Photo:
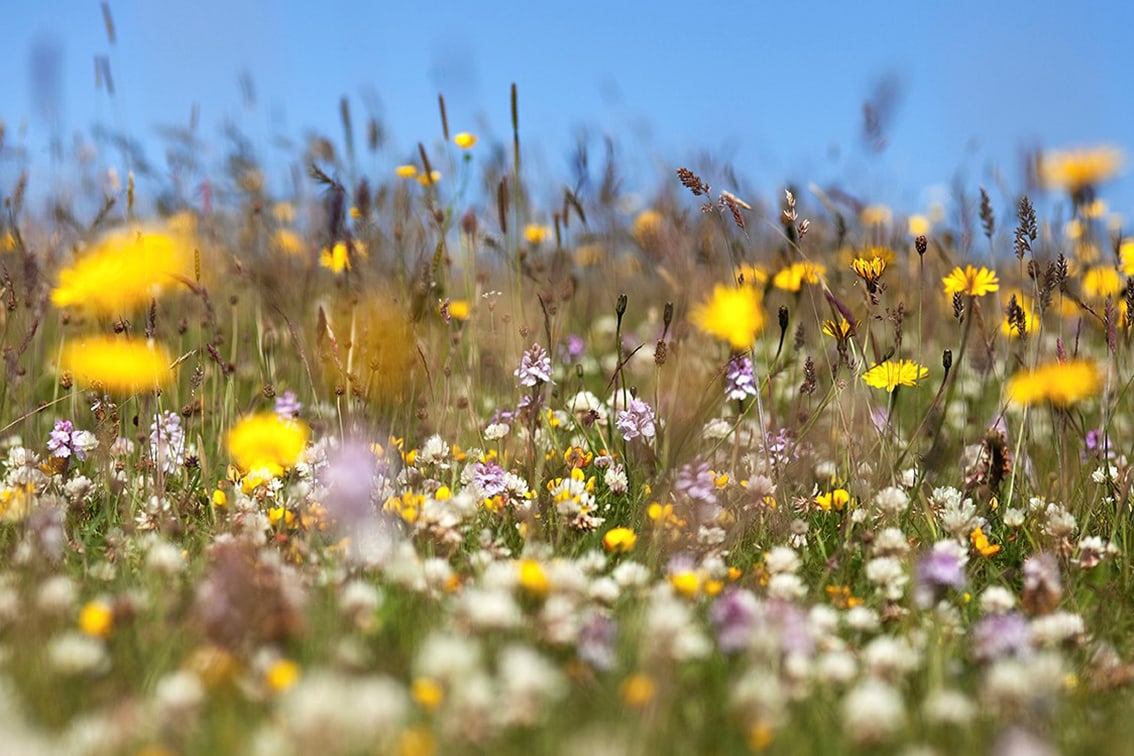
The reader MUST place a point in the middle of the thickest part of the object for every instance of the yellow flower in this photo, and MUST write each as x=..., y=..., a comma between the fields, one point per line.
x=637, y=690
x=795, y=275
x=7, y=241
x=533, y=578
x=464, y=140
x=687, y=583
x=117, y=366
x=732, y=314
x=406, y=171
x=459, y=309
x=427, y=693
x=981, y=543
x=287, y=241
x=621, y=540
x=96, y=618
x=918, y=225
x=750, y=275
x=889, y=374
x=1072, y=170
x=869, y=270
x=876, y=215
x=646, y=227
x=283, y=674
x=972, y=281
x=1126, y=256
x=124, y=271
x=836, y=500
x=337, y=258
x=266, y=442
x=433, y=177
x=536, y=234
x=1061, y=383
x=840, y=331
x=1101, y=281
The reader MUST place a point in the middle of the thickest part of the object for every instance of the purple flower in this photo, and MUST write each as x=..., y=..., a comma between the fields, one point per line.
x=740, y=382
x=573, y=349
x=65, y=441
x=489, y=478
x=535, y=367
x=596, y=642
x=167, y=441
x=695, y=481
x=288, y=406
x=636, y=420
x=350, y=478
x=999, y=635
x=939, y=570
x=735, y=614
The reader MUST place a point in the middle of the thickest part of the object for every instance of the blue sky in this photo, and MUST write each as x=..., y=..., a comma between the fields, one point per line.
x=775, y=89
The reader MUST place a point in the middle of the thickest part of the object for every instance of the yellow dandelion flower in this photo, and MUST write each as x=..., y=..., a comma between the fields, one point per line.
x=336, y=258
x=124, y=271
x=283, y=674
x=795, y=275
x=433, y=177
x=972, y=281
x=117, y=366
x=406, y=171
x=687, y=583
x=840, y=331
x=918, y=225
x=619, y=540
x=637, y=690
x=464, y=140
x=876, y=215
x=459, y=309
x=731, y=314
x=889, y=374
x=96, y=618
x=1074, y=169
x=287, y=241
x=1126, y=257
x=1101, y=281
x=266, y=441
x=1061, y=383
x=646, y=227
x=427, y=693
x=533, y=578
x=536, y=234
x=869, y=270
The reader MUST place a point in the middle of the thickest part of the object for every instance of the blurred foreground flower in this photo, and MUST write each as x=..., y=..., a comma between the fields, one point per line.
x=732, y=314
x=972, y=281
x=464, y=140
x=125, y=270
x=889, y=374
x=1061, y=383
x=266, y=442
x=117, y=366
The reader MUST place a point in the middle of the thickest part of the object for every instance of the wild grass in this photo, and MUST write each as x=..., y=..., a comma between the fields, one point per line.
x=709, y=474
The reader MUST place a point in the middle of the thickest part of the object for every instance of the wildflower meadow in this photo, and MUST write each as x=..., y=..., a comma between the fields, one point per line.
x=447, y=461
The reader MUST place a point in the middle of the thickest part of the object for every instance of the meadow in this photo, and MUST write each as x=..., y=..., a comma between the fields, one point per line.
x=442, y=462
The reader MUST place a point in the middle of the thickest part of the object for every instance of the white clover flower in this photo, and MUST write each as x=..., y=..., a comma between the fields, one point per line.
x=889, y=658
x=1013, y=518
x=872, y=712
x=889, y=575
x=996, y=599
x=891, y=501
x=949, y=707
x=786, y=586
x=73, y=653
x=1057, y=628
x=891, y=542
x=781, y=559
x=433, y=451
x=836, y=667
x=862, y=619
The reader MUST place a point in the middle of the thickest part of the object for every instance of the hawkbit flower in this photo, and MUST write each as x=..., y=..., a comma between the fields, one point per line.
x=535, y=367
x=636, y=420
